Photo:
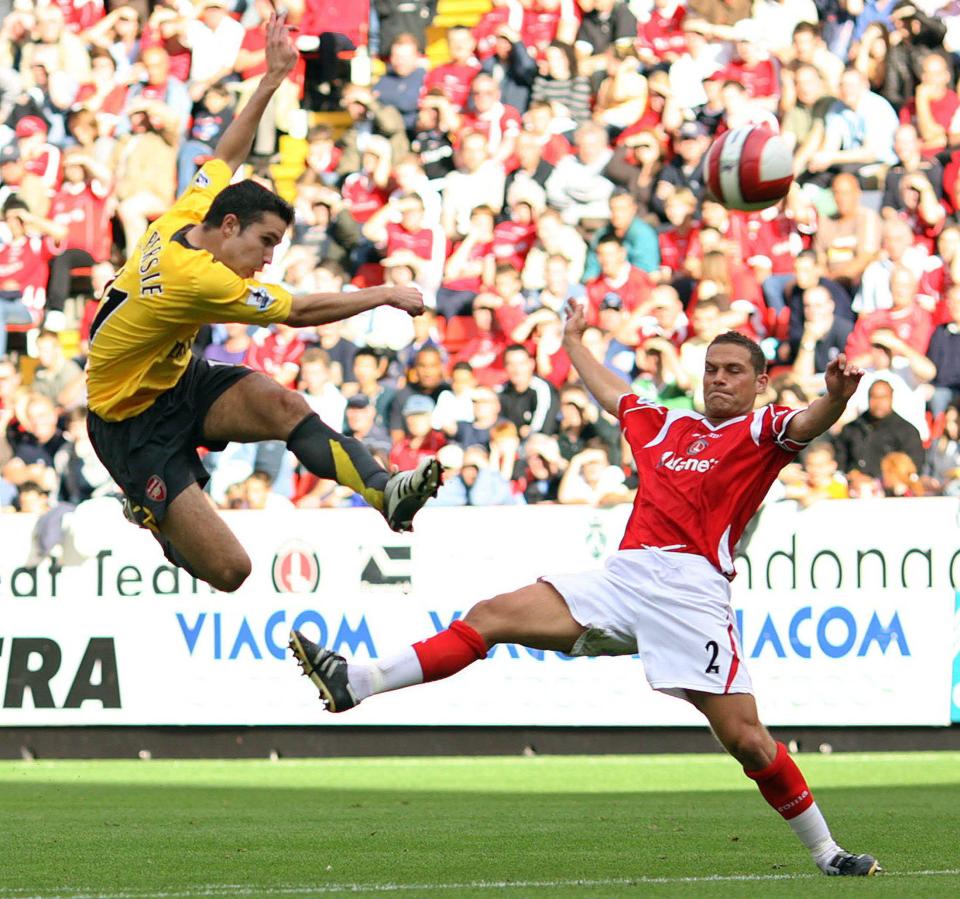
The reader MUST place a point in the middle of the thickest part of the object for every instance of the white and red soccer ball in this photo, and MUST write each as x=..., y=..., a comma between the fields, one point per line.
x=748, y=168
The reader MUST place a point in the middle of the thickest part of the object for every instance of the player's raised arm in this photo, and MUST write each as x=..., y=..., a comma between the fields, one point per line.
x=842, y=378
x=605, y=386
x=234, y=146
x=320, y=308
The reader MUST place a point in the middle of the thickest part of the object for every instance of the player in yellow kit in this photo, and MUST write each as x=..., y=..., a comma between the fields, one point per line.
x=152, y=403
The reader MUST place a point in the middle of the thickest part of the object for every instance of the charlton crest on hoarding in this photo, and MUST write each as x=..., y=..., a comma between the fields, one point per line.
x=698, y=446
x=156, y=489
x=296, y=569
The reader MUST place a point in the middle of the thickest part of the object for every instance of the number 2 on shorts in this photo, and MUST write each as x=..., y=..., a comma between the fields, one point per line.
x=714, y=650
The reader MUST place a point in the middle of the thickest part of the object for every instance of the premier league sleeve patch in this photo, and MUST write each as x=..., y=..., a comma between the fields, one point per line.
x=260, y=298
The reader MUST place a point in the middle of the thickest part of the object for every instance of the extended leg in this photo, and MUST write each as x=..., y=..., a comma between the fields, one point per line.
x=256, y=409
x=195, y=537
x=734, y=719
x=535, y=616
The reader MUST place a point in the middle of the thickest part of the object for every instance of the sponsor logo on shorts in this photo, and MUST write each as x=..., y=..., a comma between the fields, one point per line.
x=296, y=569
x=202, y=179
x=259, y=297
x=698, y=446
x=156, y=489
x=673, y=462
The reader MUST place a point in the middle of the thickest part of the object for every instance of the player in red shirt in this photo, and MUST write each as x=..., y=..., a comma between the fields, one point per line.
x=666, y=592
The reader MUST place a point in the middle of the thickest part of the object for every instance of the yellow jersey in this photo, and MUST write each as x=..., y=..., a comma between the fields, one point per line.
x=148, y=318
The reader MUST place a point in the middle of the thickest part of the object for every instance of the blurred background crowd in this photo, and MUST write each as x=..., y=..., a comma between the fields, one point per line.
x=506, y=158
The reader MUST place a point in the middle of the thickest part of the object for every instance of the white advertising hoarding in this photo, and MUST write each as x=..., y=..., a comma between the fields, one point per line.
x=846, y=614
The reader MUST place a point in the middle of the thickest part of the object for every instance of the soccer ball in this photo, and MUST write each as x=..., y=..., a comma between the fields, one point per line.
x=748, y=168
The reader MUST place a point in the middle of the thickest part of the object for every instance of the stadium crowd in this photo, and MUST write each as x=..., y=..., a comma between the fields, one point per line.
x=550, y=151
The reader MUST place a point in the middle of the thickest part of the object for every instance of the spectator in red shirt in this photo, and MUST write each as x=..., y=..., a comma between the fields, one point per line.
x=538, y=120
x=486, y=115
x=278, y=355
x=81, y=207
x=484, y=350
x=163, y=30
x=104, y=92
x=455, y=77
x=921, y=210
x=25, y=259
x=514, y=237
x=934, y=105
x=661, y=37
x=399, y=226
x=40, y=158
x=505, y=13
x=421, y=440
x=906, y=318
x=469, y=266
x=365, y=192
x=752, y=67
x=617, y=276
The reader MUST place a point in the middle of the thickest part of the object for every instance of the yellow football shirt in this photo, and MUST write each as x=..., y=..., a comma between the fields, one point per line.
x=167, y=289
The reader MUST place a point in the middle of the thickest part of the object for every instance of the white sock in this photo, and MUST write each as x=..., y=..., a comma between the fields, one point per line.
x=811, y=828
x=401, y=670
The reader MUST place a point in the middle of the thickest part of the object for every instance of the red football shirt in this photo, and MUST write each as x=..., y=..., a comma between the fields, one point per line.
x=362, y=196
x=760, y=80
x=512, y=242
x=84, y=211
x=663, y=34
x=700, y=483
x=632, y=291
x=454, y=81
x=420, y=243
x=485, y=31
x=674, y=246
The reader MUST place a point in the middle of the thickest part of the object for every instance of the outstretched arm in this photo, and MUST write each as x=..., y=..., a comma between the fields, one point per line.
x=321, y=308
x=605, y=386
x=842, y=378
x=234, y=146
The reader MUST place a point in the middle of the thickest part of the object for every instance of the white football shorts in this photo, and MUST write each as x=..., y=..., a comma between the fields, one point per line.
x=672, y=608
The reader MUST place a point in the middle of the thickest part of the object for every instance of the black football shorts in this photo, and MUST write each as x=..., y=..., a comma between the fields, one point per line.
x=153, y=456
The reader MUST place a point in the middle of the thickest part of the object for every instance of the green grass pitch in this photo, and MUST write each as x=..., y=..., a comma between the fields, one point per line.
x=466, y=827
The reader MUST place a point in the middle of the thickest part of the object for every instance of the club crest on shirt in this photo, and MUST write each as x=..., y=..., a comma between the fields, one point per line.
x=698, y=446
x=202, y=180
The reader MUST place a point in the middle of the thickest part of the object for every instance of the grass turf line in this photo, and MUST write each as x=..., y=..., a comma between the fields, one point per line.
x=557, y=826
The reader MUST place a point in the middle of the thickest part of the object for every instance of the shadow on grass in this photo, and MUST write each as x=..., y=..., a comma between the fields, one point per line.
x=106, y=839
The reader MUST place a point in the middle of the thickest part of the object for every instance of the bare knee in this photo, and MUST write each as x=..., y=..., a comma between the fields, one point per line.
x=750, y=744
x=230, y=574
x=487, y=619
x=289, y=410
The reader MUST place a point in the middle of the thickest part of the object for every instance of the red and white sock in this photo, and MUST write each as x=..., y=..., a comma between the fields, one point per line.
x=432, y=659
x=782, y=784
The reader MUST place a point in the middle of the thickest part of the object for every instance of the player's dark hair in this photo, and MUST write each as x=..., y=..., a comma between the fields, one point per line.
x=249, y=202
x=757, y=359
